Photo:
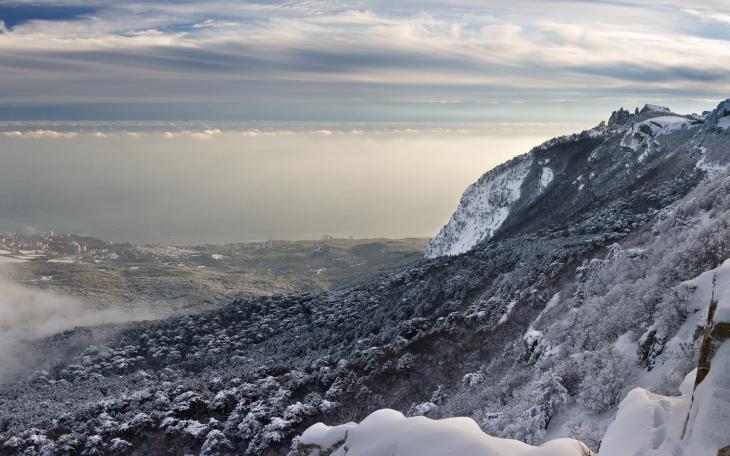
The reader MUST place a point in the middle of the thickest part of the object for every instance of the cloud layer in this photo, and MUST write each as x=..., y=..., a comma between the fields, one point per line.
x=190, y=183
x=321, y=58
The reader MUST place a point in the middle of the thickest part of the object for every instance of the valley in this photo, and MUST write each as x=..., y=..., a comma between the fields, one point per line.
x=168, y=280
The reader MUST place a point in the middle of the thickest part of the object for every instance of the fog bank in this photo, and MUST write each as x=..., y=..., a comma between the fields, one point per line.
x=27, y=314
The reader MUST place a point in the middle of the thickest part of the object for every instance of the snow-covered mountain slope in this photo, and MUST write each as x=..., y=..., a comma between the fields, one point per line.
x=597, y=282
x=484, y=207
x=693, y=423
x=566, y=174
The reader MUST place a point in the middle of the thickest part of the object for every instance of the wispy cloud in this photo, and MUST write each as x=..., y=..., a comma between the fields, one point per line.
x=709, y=15
x=263, y=56
x=38, y=134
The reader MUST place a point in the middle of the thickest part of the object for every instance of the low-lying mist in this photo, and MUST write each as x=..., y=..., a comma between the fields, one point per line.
x=29, y=314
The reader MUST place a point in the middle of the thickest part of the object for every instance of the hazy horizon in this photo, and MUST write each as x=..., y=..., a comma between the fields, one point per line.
x=192, y=183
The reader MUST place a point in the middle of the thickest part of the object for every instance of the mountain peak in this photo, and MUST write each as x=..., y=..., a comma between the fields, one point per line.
x=619, y=117
x=562, y=176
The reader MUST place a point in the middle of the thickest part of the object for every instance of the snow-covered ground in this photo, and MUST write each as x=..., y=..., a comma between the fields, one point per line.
x=387, y=432
x=692, y=424
x=697, y=422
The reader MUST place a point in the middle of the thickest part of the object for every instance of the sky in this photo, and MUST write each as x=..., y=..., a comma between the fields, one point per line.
x=359, y=60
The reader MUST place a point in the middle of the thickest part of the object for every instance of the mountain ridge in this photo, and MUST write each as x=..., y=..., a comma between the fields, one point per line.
x=646, y=133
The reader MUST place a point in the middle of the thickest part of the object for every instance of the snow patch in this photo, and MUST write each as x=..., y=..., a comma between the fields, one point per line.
x=688, y=384
x=722, y=293
x=711, y=167
x=645, y=422
x=62, y=260
x=549, y=306
x=507, y=312
x=654, y=108
x=546, y=176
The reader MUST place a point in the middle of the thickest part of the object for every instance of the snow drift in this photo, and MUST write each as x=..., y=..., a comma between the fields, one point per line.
x=696, y=423
x=387, y=432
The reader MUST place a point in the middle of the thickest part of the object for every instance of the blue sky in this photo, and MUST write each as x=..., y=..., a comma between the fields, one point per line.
x=457, y=60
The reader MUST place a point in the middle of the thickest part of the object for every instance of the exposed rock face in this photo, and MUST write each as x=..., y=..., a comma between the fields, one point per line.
x=619, y=118
x=717, y=329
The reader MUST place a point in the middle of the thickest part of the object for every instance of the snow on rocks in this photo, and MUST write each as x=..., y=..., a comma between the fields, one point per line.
x=645, y=422
x=722, y=293
x=665, y=124
x=389, y=432
x=720, y=116
x=654, y=108
x=694, y=424
x=320, y=439
x=483, y=208
x=711, y=167
x=535, y=345
x=546, y=176
x=640, y=137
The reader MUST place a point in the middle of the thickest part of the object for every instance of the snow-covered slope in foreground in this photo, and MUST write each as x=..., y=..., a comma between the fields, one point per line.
x=387, y=432
x=697, y=423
